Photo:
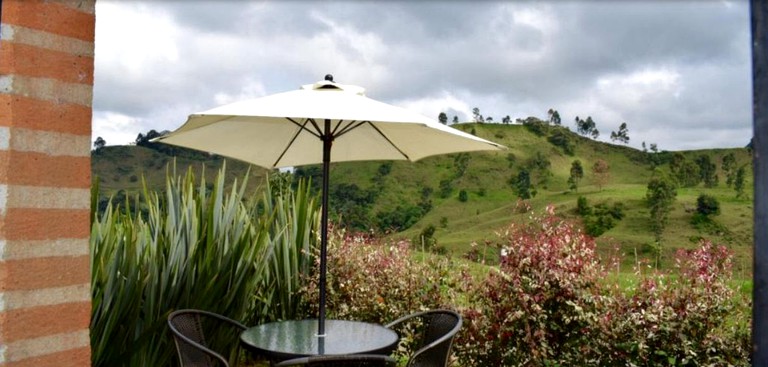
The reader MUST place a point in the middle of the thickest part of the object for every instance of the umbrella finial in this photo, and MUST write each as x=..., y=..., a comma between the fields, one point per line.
x=329, y=77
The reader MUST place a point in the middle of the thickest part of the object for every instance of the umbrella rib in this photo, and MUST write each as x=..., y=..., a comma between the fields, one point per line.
x=336, y=128
x=303, y=126
x=319, y=130
x=295, y=136
x=351, y=126
x=388, y=141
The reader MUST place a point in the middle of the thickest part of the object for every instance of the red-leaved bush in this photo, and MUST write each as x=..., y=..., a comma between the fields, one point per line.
x=373, y=280
x=549, y=302
x=378, y=281
x=548, y=305
x=542, y=303
x=689, y=317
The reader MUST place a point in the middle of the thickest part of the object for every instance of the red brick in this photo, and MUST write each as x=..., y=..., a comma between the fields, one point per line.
x=35, y=114
x=50, y=17
x=38, y=169
x=43, y=63
x=47, y=272
x=45, y=224
x=71, y=358
x=45, y=320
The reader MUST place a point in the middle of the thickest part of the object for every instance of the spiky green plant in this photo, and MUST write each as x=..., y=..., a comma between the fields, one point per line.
x=192, y=247
x=296, y=218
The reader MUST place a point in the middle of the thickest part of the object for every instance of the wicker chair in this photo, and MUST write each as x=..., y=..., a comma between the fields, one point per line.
x=438, y=327
x=192, y=330
x=341, y=360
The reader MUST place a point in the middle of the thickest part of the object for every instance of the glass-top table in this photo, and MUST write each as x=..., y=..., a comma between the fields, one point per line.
x=290, y=339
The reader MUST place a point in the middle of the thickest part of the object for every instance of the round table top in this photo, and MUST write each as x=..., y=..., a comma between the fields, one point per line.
x=298, y=338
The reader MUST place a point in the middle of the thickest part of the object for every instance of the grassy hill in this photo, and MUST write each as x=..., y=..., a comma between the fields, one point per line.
x=397, y=187
x=120, y=170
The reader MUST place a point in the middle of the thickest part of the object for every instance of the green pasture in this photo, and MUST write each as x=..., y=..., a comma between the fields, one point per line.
x=491, y=204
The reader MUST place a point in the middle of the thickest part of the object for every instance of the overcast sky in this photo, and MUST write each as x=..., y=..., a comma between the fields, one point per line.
x=677, y=72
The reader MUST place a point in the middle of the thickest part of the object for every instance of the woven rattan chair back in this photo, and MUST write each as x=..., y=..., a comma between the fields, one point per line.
x=189, y=329
x=433, y=343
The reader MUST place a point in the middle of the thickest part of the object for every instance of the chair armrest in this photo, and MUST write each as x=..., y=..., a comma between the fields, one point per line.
x=214, y=315
x=402, y=319
x=199, y=346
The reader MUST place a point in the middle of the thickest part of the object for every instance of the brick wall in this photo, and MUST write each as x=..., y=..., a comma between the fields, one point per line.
x=46, y=87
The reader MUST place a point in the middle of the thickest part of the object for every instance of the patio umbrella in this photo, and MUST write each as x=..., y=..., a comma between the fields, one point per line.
x=300, y=127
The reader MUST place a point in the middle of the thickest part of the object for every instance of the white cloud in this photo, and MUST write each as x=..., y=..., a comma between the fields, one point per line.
x=133, y=37
x=652, y=64
x=253, y=89
x=114, y=128
x=432, y=106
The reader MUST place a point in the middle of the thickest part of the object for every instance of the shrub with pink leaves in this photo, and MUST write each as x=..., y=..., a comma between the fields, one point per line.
x=548, y=305
x=688, y=317
x=542, y=303
x=377, y=281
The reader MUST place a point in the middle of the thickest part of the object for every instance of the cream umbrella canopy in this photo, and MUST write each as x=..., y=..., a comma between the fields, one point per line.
x=305, y=126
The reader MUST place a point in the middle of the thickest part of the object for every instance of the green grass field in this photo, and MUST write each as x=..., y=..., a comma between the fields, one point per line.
x=491, y=203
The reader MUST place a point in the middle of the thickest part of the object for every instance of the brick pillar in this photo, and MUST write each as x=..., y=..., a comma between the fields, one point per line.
x=46, y=89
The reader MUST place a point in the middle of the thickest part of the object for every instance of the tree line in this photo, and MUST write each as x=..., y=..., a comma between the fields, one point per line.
x=586, y=127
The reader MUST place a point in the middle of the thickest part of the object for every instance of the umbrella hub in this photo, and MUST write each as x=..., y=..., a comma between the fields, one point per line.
x=330, y=85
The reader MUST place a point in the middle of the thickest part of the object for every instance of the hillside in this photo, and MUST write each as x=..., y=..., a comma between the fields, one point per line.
x=120, y=170
x=408, y=198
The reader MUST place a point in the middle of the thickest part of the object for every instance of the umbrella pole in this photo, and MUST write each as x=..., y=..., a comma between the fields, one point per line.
x=327, y=142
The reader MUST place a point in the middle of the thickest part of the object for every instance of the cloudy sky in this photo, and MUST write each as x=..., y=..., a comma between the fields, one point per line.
x=677, y=72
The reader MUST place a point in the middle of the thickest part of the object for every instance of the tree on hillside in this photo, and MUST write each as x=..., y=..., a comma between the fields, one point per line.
x=443, y=118
x=455, y=119
x=538, y=168
x=587, y=127
x=560, y=137
x=707, y=205
x=554, y=117
x=577, y=173
x=521, y=185
x=684, y=171
x=660, y=196
x=654, y=158
x=601, y=173
x=506, y=120
x=688, y=174
x=446, y=188
x=476, y=116
x=707, y=170
x=463, y=196
x=145, y=140
x=535, y=125
x=729, y=168
x=99, y=144
x=676, y=161
x=460, y=163
x=489, y=119
x=740, y=181
x=352, y=204
x=622, y=135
